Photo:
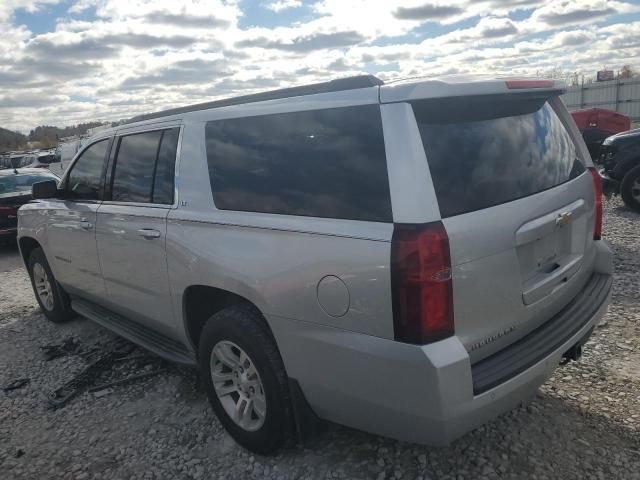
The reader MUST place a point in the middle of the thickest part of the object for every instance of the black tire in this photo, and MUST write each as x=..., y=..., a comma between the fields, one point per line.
x=244, y=326
x=61, y=307
x=626, y=187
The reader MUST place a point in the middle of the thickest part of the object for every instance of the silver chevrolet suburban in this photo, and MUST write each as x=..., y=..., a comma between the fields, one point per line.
x=410, y=259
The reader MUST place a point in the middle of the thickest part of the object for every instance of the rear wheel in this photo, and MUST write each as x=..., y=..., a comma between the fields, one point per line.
x=630, y=188
x=52, y=299
x=245, y=379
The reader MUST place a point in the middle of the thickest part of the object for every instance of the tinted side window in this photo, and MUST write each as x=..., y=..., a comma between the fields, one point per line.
x=163, y=182
x=85, y=178
x=135, y=166
x=322, y=163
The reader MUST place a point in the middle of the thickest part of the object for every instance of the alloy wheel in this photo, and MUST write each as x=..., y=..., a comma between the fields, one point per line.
x=635, y=189
x=43, y=286
x=238, y=386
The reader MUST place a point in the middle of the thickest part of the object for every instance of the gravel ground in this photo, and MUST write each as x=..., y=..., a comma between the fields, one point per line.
x=583, y=424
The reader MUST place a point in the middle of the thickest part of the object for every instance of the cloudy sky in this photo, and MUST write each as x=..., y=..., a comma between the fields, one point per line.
x=68, y=61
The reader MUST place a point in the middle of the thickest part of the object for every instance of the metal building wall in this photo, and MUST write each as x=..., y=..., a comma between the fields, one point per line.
x=621, y=96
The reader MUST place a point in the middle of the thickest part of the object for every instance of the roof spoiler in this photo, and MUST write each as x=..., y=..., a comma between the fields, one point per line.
x=465, y=87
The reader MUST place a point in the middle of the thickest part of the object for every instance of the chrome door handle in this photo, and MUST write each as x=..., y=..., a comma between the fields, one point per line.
x=149, y=233
x=86, y=225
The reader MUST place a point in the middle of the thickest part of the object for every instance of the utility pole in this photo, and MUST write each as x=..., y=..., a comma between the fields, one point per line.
x=617, y=91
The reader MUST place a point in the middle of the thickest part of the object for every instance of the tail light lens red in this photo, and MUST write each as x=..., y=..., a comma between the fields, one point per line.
x=8, y=210
x=597, y=187
x=421, y=283
x=526, y=84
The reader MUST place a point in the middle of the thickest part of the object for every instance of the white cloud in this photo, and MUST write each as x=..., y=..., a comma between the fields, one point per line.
x=565, y=12
x=82, y=5
x=143, y=55
x=280, y=5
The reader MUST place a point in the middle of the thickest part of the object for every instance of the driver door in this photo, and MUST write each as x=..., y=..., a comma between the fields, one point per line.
x=71, y=233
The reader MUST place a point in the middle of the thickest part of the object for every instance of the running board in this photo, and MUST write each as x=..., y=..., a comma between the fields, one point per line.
x=147, y=338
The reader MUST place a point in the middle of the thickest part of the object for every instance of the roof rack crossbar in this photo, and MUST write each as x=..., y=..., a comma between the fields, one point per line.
x=348, y=83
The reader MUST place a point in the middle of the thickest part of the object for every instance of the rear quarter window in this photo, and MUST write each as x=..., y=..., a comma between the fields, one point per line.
x=323, y=163
x=483, y=153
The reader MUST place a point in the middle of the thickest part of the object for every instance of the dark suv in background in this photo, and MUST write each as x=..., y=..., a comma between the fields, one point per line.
x=620, y=159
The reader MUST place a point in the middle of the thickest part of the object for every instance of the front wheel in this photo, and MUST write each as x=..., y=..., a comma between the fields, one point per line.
x=52, y=299
x=630, y=189
x=245, y=379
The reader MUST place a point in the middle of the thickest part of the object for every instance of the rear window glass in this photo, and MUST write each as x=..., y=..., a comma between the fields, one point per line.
x=323, y=163
x=487, y=152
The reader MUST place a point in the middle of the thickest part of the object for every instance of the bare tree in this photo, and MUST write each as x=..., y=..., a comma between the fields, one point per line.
x=558, y=73
x=626, y=72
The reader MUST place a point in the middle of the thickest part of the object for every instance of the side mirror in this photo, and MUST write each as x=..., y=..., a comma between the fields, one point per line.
x=46, y=189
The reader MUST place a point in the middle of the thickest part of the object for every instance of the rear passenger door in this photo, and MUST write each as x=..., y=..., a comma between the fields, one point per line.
x=131, y=226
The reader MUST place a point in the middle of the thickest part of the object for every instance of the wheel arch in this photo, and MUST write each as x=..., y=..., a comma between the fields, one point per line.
x=625, y=164
x=200, y=302
x=631, y=178
x=27, y=245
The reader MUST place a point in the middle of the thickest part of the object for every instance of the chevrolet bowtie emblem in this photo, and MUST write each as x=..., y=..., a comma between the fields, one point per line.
x=563, y=219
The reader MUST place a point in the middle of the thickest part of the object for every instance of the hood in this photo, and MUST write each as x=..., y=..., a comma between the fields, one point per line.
x=623, y=138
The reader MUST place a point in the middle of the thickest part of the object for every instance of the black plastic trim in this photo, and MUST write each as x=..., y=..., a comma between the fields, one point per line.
x=308, y=424
x=147, y=338
x=529, y=350
x=340, y=84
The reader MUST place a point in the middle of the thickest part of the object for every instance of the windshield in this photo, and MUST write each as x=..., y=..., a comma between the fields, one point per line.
x=21, y=183
x=494, y=152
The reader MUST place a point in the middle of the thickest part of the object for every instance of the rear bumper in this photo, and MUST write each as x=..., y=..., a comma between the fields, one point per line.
x=543, y=341
x=418, y=394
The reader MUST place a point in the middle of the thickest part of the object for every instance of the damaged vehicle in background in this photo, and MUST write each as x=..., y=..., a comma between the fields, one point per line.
x=620, y=161
x=596, y=124
x=40, y=159
x=15, y=191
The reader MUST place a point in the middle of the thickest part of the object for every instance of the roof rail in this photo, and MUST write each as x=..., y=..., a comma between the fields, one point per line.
x=340, y=84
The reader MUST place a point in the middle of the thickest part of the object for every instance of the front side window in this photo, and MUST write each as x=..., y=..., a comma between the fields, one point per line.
x=144, y=167
x=85, y=178
x=322, y=163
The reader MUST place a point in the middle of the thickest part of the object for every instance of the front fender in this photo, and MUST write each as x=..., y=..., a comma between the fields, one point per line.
x=32, y=223
x=626, y=159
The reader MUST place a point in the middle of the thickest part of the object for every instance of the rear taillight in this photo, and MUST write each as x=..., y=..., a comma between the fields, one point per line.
x=597, y=187
x=5, y=210
x=421, y=283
